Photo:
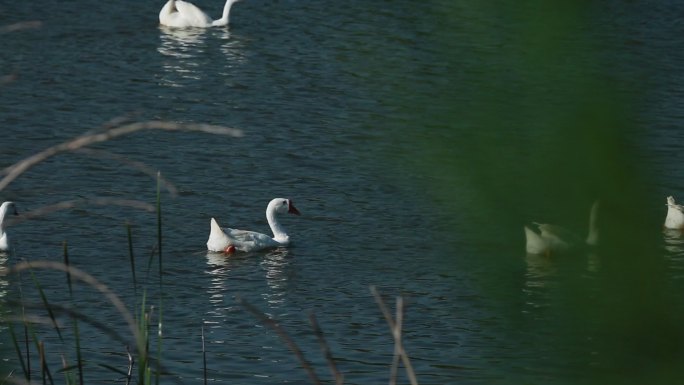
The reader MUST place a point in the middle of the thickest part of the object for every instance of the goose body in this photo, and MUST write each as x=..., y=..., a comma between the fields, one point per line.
x=228, y=240
x=675, y=215
x=5, y=209
x=182, y=14
x=552, y=239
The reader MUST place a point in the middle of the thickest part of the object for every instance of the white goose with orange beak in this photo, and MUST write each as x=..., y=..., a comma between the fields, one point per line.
x=228, y=240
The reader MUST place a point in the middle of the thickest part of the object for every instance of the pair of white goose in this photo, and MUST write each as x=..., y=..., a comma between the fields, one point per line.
x=183, y=14
x=550, y=239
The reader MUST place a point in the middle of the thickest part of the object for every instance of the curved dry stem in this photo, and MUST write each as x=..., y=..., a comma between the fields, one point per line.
x=14, y=171
x=34, y=24
x=395, y=328
x=275, y=326
x=339, y=378
x=59, y=309
x=140, y=166
x=91, y=281
x=64, y=205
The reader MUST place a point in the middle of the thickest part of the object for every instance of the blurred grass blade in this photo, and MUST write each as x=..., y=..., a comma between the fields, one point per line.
x=159, y=226
x=68, y=274
x=24, y=368
x=131, y=256
x=45, y=370
x=114, y=369
x=204, y=358
x=339, y=378
x=79, y=358
x=275, y=326
x=43, y=297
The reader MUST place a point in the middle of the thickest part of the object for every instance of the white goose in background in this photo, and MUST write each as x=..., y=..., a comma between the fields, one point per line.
x=228, y=240
x=6, y=208
x=181, y=14
x=675, y=215
x=551, y=239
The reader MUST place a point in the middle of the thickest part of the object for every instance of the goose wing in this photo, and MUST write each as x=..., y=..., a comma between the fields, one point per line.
x=559, y=236
x=194, y=16
x=246, y=240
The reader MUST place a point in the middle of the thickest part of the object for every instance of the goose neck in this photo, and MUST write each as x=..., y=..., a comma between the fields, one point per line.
x=279, y=233
x=3, y=215
x=593, y=236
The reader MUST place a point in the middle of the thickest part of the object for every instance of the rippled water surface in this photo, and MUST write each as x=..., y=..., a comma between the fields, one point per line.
x=339, y=103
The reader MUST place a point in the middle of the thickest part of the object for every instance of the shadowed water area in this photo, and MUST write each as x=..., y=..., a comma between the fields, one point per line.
x=416, y=139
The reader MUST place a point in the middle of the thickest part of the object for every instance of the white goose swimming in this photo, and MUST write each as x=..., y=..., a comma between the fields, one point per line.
x=181, y=14
x=228, y=240
x=551, y=239
x=6, y=208
x=675, y=215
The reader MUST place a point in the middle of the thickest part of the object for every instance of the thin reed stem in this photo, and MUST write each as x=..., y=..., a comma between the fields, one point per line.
x=42, y=211
x=204, y=358
x=131, y=361
x=161, y=284
x=395, y=334
x=73, y=314
x=66, y=369
x=44, y=369
x=79, y=357
x=273, y=324
x=159, y=228
x=131, y=257
x=140, y=166
x=27, y=376
x=66, y=263
x=43, y=297
x=339, y=378
x=88, y=279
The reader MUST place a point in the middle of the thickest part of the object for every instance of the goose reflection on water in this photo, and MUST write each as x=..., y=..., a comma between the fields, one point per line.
x=228, y=278
x=185, y=52
x=4, y=283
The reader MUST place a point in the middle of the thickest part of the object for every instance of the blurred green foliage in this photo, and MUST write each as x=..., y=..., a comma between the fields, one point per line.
x=530, y=121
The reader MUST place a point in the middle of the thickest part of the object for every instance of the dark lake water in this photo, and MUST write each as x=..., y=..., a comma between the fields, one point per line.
x=416, y=139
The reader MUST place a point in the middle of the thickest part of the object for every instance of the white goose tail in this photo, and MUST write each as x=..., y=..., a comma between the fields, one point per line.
x=218, y=240
x=534, y=243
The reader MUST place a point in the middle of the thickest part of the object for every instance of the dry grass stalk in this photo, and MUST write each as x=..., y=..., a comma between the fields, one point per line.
x=42, y=211
x=339, y=378
x=273, y=324
x=59, y=309
x=395, y=328
x=34, y=24
x=14, y=171
x=131, y=361
x=140, y=166
x=88, y=279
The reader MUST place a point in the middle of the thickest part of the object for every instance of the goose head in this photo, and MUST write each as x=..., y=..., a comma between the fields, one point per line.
x=282, y=206
x=8, y=208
